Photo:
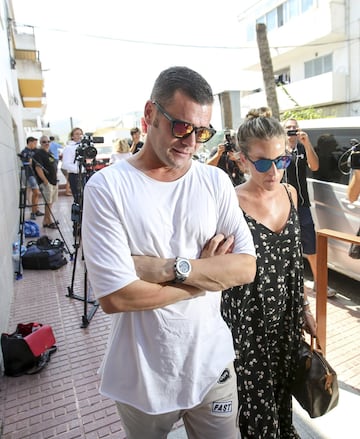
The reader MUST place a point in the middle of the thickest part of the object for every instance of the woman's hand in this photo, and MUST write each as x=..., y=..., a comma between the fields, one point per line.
x=310, y=325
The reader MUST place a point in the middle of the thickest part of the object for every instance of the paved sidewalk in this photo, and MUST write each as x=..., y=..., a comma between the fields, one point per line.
x=63, y=401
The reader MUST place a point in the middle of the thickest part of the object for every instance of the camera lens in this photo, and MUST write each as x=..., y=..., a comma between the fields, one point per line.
x=90, y=152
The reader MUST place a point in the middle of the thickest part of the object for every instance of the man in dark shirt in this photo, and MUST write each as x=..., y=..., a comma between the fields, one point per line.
x=45, y=166
x=26, y=157
x=303, y=156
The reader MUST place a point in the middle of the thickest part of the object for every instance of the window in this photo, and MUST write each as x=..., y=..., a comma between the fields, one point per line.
x=328, y=63
x=280, y=15
x=293, y=9
x=306, y=5
x=271, y=20
x=318, y=66
x=282, y=76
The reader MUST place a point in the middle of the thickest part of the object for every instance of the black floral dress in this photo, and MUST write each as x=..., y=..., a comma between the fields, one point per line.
x=266, y=318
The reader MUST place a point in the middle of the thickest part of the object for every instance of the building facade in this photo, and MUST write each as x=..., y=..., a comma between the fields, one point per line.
x=21, y=108
x=315, y=48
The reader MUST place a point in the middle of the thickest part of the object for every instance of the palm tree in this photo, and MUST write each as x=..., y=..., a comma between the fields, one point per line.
x=267, y=69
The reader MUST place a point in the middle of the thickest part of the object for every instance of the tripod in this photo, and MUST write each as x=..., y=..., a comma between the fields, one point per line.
x=76, y=216
x=22, y=205
x=27, y=166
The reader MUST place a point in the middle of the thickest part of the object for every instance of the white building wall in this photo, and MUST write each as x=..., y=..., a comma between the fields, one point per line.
x=354, y=57
x=11, y=141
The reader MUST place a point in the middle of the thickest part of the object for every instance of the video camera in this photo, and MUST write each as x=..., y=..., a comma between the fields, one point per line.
x=86, y=149
x=229, y=144
x=355, y=155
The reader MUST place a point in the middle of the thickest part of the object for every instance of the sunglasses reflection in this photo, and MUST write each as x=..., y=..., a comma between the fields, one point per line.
x=181, y=129
x=263, y=165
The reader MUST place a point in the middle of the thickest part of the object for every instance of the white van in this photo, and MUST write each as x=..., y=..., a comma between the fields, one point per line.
x=327, y=187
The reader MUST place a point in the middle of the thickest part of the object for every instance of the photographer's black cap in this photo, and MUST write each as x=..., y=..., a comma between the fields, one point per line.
x=31, y=139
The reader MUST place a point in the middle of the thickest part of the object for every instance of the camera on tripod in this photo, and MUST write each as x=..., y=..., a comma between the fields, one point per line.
x=355, y=155
x=229, y=144
x=75, y=213
x=86, y=149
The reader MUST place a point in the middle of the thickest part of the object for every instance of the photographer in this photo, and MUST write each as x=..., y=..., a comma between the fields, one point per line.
x=26, y=157
x=303, y=156
x=226, y=157
x=44, y=164
x=69, y=161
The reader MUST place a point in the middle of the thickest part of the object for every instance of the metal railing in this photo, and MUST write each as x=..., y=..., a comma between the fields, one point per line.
x=322, y=277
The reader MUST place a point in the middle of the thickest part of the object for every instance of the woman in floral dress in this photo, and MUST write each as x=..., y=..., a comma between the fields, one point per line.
x=266, y=317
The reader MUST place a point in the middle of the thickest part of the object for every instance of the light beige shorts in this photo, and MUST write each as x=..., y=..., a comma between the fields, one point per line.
x=214, y=418
x=49, y=192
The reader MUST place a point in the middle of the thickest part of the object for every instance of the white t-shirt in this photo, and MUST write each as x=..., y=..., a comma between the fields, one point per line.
x=164, y=359
x=68, y=158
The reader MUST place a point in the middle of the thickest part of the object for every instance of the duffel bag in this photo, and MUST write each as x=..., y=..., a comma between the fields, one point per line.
x=44, y=254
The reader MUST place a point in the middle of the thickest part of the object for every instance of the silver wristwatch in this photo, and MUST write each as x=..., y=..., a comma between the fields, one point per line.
x=182, y=269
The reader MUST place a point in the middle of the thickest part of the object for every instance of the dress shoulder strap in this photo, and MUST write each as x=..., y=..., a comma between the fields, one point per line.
x=289, y=194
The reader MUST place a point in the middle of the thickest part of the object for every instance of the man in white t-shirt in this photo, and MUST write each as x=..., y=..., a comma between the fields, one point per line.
x=162, y=236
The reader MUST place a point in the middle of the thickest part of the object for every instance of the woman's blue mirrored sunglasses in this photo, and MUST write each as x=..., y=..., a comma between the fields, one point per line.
x=263, y=165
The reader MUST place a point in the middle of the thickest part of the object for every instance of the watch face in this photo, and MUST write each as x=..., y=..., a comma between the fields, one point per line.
x=184, y=266
x=182, y=269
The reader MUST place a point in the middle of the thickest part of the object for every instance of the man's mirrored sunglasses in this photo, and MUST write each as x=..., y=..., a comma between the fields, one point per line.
x=181, y=129
x=263, y=165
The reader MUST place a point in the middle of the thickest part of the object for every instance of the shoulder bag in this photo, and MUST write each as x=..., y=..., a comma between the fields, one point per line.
x=315, y=386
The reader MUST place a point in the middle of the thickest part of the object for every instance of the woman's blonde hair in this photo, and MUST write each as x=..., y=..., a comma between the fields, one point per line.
x=260, y=112
x=259, y=124
x=122, y=146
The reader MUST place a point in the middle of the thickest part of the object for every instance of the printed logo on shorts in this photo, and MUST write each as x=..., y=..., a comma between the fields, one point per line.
x=222, y=407
x=224, y=376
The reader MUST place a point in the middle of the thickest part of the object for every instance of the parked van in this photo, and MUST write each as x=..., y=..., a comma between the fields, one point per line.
x=330, y=207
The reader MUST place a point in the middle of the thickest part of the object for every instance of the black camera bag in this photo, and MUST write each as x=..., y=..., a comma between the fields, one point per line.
x=44, y=254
